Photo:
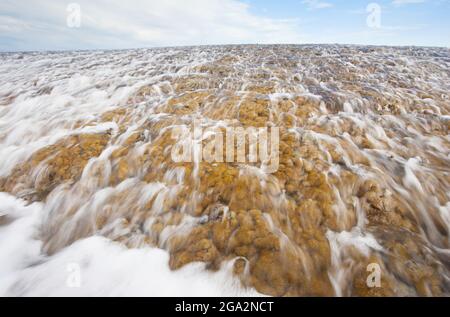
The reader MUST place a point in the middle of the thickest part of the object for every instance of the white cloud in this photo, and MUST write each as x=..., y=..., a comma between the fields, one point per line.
x=317, y=4
x=12, y=25
x=403, y=2
x=142, y=23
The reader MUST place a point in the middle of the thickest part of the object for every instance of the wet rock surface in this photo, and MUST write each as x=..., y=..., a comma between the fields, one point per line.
x=363, y=178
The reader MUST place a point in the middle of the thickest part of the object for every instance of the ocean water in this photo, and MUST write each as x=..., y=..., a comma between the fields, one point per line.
x=395, y=99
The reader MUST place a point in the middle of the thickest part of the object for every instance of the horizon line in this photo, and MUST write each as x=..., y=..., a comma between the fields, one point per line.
x=224, y=45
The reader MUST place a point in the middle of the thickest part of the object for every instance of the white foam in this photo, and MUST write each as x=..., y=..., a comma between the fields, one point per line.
x=341, y=245
x=410, y=180
x=105, y=268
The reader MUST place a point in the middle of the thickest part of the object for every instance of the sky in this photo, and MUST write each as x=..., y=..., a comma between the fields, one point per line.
x=40, y=25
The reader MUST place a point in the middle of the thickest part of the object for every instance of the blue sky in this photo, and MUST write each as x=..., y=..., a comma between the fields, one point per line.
x=116, y=24
x=403, y=22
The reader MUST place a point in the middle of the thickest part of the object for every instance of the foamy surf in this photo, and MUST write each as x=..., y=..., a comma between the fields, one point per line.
x=106, y=268
x=95, y=198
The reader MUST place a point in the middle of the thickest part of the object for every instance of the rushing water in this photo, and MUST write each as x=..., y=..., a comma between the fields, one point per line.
x=89, y=184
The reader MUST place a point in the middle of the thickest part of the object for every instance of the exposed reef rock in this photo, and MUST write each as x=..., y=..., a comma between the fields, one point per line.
x=363, y=176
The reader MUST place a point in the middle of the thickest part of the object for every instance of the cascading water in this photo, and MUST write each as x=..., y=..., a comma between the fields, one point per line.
x=88, y=178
